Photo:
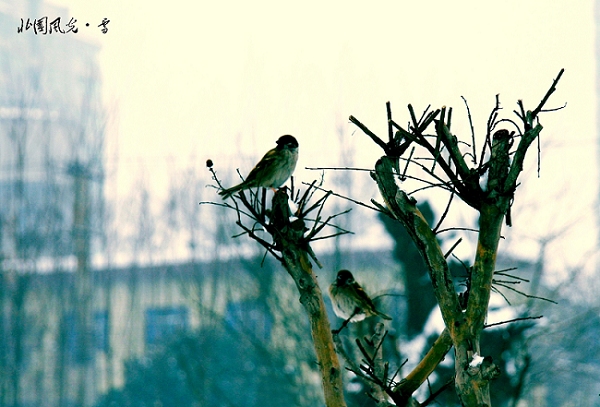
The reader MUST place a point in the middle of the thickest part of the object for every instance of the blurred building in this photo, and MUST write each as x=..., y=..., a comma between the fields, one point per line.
x=237, y=313
x=51, y=154
x=51, y=132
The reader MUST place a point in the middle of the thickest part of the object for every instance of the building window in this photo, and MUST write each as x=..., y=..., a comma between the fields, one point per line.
x=164, y=322
x=74, y=339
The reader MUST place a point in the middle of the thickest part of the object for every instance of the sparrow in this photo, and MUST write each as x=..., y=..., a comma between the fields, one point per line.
x=272, y=170
x=350, y=301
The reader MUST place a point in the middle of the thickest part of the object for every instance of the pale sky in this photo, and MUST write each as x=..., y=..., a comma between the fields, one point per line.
x=187, y=81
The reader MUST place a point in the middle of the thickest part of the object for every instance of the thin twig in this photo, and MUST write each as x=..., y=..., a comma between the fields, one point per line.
x=225, y=205
x=453, y=229
x=512, y=320
x=330, y=236
x=403, y=176
x=554, y=109
x=305, y=197
x=388, y=107
x=439, y=391
x=445, y=186
x=539, y=155
x=452, y=248
x=494, y=281
x=444, y=214
x=349, y=199
x=411, y=110
x=494, y=289
x=511, y=276
x=369, y=133
x=472, y=130
x=552, y=89
x=527, y=295
x=467, y=268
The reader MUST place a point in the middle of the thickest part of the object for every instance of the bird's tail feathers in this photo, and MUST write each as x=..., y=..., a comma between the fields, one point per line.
x=226, y=193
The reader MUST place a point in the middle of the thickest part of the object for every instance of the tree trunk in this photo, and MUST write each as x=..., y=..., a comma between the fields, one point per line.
x=289, y=238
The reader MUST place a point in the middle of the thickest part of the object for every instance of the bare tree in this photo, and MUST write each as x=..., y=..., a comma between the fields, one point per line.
x=485, y=180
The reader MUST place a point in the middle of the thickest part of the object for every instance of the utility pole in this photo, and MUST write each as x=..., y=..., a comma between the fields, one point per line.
x=83, y=281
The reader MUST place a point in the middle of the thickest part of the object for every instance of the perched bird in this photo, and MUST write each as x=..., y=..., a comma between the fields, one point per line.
x=350, y=301
x=272, y=170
